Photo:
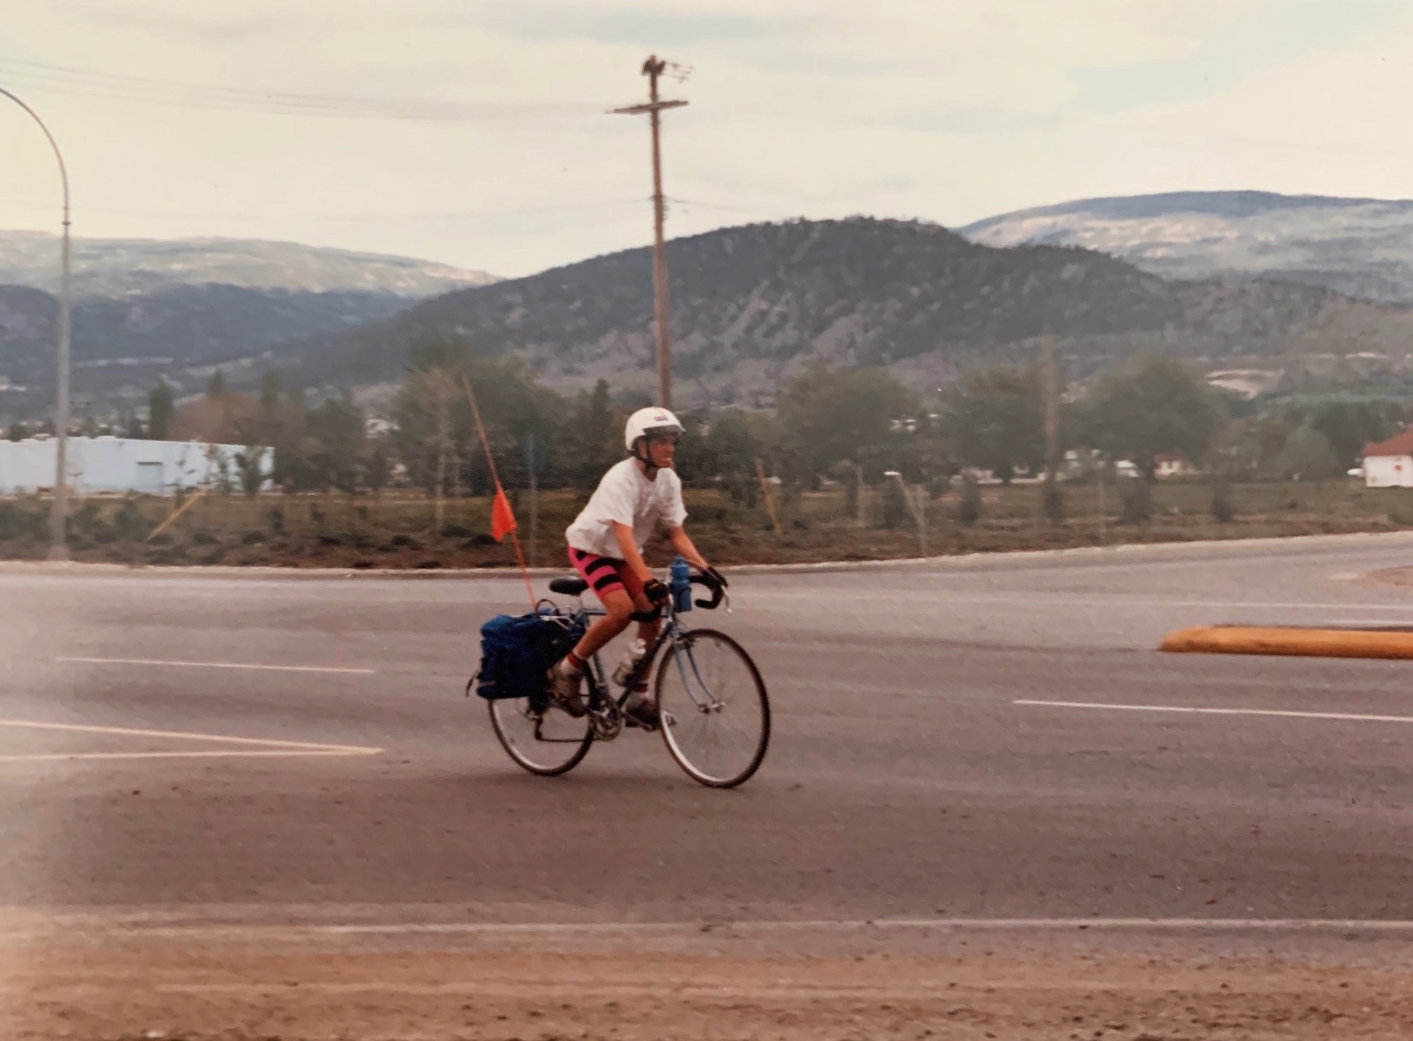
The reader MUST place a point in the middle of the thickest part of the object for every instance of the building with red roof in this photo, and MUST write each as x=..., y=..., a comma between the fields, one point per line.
x=1389, y=464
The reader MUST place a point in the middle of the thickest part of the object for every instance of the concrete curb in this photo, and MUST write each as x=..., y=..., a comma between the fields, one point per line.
x=1307, y=643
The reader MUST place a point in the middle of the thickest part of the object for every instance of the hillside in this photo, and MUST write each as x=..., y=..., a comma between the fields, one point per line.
x=120, y=347
x=753, y=305
x=1359, y=247
x=113, y=268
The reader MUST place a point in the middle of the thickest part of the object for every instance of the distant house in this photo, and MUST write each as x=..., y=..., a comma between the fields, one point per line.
x=1172, y=466
x=1389, y=464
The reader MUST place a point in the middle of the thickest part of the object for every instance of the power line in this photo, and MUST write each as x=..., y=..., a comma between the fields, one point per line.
x=115, y=86
x=717, y=206
x=344, y=218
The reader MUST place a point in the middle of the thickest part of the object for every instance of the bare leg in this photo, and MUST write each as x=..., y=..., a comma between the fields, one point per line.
x=618, y=606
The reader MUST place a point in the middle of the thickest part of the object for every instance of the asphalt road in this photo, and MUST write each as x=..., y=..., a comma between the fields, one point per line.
x=912, y=774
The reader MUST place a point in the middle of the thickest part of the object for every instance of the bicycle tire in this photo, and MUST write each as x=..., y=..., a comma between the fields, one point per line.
x=677, y=709
x=507, y=712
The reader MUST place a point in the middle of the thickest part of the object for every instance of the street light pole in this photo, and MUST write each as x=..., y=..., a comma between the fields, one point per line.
x=58, y=513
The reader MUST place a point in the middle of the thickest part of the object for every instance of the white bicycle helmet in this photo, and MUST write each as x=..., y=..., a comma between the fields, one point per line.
x=649, y=421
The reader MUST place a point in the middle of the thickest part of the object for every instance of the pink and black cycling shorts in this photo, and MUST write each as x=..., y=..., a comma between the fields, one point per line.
x=605, y=574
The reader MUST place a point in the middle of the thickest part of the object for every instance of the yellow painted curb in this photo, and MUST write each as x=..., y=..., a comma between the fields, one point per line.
x=1314, y=643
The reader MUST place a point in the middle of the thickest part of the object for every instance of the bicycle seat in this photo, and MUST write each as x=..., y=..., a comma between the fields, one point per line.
x=569, y=585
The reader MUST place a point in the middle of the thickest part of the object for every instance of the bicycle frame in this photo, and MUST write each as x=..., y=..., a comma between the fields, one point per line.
x=672, y=631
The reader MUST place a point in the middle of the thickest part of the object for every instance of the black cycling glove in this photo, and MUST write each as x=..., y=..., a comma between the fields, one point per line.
x=656, y=592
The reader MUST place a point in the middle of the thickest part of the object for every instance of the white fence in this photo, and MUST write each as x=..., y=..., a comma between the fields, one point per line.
x=114, y=464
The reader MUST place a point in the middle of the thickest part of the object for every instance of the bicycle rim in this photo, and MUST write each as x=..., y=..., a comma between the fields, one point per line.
x=715, y=713
x=548, y=743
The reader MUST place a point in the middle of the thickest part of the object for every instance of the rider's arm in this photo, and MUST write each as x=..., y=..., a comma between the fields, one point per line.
x=628, y=550
x=683, y=545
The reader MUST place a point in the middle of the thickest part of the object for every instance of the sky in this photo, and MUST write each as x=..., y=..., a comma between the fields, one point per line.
x=477, y=133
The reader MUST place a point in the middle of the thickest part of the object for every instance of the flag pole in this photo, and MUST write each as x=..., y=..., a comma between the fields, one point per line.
x=500, y=492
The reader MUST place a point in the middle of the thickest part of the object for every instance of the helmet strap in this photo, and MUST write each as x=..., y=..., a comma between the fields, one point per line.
x=644, y=457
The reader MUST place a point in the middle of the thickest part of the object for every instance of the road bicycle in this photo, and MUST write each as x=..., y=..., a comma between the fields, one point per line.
x=713, y=710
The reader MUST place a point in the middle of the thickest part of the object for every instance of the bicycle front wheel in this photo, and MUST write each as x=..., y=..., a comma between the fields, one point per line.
x=547, y=742
x=714, y=710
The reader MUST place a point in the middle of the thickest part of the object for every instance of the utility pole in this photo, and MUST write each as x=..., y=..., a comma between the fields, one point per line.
x=59, y=508
x=654, y=68
x=1050, y=397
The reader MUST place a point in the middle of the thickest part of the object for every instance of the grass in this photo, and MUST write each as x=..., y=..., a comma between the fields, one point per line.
x=402, y=531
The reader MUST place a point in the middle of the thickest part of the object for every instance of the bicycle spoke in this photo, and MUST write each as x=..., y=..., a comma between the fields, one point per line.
x=718, y=717
x=544, y=742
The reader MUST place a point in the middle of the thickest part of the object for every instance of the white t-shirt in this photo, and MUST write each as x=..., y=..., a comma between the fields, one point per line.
x=626, y=496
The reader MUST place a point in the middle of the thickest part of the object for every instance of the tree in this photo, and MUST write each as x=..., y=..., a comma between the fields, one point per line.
x=1348, y=426
x=1155, y=407
x=269, y=406
x=1307, y=456
x=995, y=421
x=435, y=434
x=160, y=406
x=970, y=507
x=217, y=386
x=593, y=439
x=249, y=470
x=731, y=449
x=291, y=469
x=377, y=463
x=864, y=415
x=334, y=444
x=895, y=504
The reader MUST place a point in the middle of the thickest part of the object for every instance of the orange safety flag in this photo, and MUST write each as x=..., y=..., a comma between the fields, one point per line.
x=502, y=516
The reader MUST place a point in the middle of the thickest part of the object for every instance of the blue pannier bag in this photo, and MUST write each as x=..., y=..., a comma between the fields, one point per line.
x=517, y=651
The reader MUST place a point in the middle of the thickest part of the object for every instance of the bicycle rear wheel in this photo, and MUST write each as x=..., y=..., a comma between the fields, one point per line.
x=714, y=709
x=548, y=742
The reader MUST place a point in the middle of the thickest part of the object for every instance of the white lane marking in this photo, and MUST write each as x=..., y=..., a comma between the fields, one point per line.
x=1281, y=713
x=183, y=735
x=962, y=599
x=129, y=926
x=217, y=665
x=66, y=756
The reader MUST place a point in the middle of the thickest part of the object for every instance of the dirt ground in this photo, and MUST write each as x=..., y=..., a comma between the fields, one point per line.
x=399, y=530
x=180, y=992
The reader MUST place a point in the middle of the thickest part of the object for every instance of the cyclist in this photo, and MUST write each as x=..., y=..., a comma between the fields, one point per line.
x=606, y=547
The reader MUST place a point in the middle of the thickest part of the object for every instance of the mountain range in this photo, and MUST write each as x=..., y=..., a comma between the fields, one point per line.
x=753, y=305
x=121, y=347
x=114, y=268
x=1228, y=281
x=1360, y=247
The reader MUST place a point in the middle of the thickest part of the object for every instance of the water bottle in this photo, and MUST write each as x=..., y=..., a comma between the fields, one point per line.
x=631, y=660
x=681, y=585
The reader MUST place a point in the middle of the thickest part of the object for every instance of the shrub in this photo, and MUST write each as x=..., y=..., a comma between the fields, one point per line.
x=86, y=527
x=1137, y=501
x=17, y=522
x=129, y=524
x=1053, y=503
x=1223, y=506
x=895, y=505
x=969, y=509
